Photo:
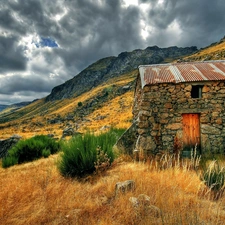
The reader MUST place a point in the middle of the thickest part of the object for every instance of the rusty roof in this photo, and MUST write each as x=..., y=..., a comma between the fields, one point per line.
x=182, y=72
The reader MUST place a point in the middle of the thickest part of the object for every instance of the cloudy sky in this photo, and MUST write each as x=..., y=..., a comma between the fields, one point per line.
x=43, y=43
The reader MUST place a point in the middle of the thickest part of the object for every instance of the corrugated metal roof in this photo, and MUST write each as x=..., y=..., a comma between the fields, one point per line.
x=182, y=72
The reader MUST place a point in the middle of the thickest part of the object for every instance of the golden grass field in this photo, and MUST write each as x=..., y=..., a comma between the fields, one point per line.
x=35, y=193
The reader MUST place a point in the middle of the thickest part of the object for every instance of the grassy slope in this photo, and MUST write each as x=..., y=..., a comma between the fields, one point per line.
x=35, y=193
x=32, y=119
x=214, y=52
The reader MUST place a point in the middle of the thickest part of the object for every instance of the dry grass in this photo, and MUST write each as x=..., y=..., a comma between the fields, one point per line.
x=214, y=52
x=35, y=193
x=116, y=113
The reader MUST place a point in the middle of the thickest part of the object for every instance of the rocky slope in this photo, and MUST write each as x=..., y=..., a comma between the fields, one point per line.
x=110, y=67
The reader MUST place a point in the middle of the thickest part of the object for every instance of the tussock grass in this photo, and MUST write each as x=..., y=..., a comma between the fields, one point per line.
x=35, y=193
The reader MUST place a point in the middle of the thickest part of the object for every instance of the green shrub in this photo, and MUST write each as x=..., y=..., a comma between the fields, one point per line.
x=82, y=155
x=31, y=149
x=9, y=161
x=46, y=153
x=78, y=157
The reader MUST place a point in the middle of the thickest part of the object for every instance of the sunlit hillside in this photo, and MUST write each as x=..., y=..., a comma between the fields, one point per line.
x=109, y=104
x=215, y=51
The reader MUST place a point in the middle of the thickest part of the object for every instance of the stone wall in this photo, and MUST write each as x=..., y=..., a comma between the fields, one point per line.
x=158, y=113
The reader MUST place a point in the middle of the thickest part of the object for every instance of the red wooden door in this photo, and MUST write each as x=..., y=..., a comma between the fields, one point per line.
x=191, y=131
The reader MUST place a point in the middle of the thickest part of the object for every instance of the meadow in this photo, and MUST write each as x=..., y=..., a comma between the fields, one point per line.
x=36, y=193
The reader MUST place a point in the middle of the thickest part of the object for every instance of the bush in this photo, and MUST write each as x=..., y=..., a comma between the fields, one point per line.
x=30, y=149
x=9, y=161
x=46, y=153
x=82, y=155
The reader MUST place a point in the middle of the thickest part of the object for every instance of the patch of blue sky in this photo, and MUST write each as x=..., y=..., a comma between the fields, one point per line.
x=46, y=42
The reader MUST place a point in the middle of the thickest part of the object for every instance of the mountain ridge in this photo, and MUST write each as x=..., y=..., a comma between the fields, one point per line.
x=110, y=67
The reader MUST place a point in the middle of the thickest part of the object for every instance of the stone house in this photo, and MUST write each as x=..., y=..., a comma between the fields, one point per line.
x=180, y=106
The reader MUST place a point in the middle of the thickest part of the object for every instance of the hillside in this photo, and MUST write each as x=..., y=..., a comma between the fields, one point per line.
x=216, y=51
x=101, y=95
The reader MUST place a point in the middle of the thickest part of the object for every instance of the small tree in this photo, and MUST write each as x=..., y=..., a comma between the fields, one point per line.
x=79, y=104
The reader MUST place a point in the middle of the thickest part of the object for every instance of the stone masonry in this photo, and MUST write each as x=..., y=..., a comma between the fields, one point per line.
x=158, y=110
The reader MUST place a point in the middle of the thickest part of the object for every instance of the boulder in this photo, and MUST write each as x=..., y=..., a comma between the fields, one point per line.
x=142, y=203
x=6, y=144
x=69, y=131
x=125, y=186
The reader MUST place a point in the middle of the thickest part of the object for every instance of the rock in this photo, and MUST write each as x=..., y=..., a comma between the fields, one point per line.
x=142, y=203
x=105, y=127
x=6, y=144
x=69, y=131
x=142, y=199
x=51, y=135
x=123, y=187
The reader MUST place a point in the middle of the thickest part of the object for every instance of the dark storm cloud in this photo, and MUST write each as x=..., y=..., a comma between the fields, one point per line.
x=11, y=55
x=201, y=22
x=97, y=30
x=19, y=83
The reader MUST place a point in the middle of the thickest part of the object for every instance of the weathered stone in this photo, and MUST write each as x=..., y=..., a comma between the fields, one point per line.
x=167, y=138
x=164, y=121
x=168, y=106
x=146, y=143
x=124, y=187
x=143, y=124
x=69, y=131
x=219, y=121
x=141, y=131
x=187, y=95
x=188, y=88
x=205, y=89
x=215, y=114
x=146, y=113
x=207, y=129
x=142, y=202
x=6, y=144
x=171, y=89
x=204, y=119
x=174, y=126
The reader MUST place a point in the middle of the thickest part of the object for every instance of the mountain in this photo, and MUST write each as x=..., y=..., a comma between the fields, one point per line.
x=110, y=67
x=13, y=107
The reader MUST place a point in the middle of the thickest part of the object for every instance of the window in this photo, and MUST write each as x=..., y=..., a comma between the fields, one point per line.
x=196, y=91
